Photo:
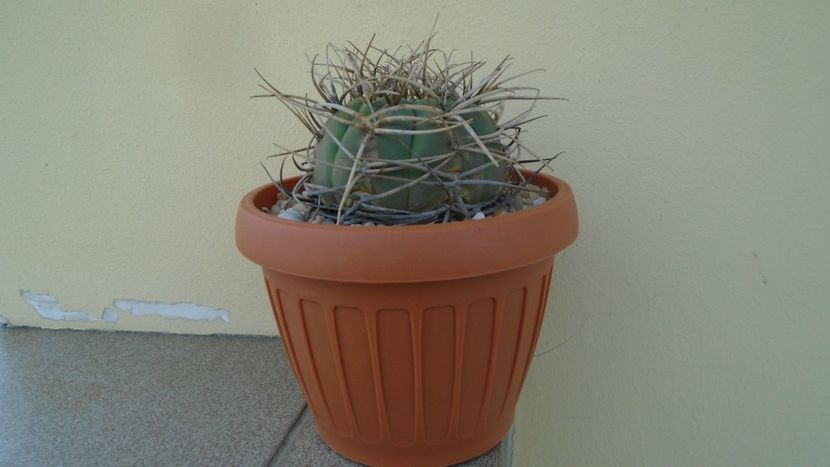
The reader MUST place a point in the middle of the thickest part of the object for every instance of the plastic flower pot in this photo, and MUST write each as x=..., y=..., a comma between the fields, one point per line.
x=410, y=343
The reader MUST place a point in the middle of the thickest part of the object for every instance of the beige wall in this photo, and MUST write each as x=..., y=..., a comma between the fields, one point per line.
x=688, y=325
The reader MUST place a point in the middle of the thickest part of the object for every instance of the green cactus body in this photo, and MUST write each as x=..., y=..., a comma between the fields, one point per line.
x=327, y=148
x=474, y=157
x=333, y=163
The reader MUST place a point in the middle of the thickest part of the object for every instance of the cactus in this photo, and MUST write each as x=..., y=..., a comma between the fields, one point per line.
x=428, y=154
x=406, y=139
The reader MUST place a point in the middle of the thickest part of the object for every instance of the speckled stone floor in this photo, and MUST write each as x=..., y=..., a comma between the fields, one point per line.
x=103, y=398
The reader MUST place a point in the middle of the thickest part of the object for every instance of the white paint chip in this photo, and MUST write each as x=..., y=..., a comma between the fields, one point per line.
x=3, y=320
x=189, y=311
x=110, y=315
x=49, y=307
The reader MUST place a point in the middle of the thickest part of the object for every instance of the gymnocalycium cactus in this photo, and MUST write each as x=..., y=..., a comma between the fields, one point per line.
x=407, y=138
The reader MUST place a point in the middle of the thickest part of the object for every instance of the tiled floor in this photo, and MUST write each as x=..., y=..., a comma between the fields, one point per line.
x=103, y=398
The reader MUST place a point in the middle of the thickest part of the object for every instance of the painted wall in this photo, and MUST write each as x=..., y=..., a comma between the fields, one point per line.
x=688, y=325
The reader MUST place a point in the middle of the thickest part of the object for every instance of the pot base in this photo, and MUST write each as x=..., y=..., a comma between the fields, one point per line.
x=412, y=374
x=452, y=451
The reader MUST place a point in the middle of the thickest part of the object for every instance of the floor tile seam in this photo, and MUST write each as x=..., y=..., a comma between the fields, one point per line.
x=284, y=447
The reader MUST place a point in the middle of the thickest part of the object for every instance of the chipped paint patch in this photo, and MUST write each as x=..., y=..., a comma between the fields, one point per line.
x=4, y=321
x=49, y=307
x=110, y=315
x=180, y=310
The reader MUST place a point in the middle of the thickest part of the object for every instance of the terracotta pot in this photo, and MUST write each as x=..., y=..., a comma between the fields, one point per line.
x=410, y=343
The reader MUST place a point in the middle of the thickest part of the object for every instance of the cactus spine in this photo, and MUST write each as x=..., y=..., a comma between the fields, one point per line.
x=407, y=138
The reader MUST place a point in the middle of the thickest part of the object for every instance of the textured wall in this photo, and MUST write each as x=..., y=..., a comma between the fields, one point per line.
x=688, y=325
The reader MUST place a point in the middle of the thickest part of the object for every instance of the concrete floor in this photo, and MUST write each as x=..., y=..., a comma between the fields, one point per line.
x=104, y=398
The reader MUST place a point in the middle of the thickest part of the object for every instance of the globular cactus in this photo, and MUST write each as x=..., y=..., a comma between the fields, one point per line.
x=433, y=157
x=407, y=138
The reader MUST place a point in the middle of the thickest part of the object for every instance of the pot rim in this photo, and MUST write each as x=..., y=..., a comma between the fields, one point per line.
x=395, y=254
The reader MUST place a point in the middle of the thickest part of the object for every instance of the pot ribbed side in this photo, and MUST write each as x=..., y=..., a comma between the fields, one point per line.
x=414, y=373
